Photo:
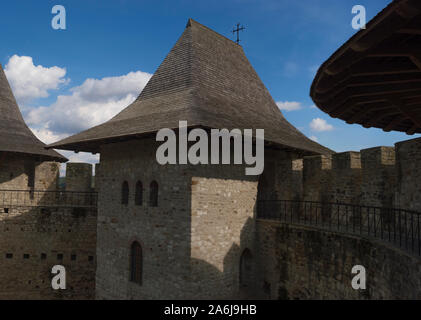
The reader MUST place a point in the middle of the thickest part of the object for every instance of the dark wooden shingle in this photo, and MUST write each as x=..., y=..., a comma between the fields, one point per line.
x=207, y=80
x=15, y=136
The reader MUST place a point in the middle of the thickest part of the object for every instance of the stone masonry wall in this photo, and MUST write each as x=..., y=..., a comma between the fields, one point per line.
x=97, y=177
x=42, y=229
x=33, y=240
x=46, y=175
x=288, y=174
x=408, y=157
x=378, y=177
x=192, y=242
x=79, y=177
x=222, y=227
x=164, y=232
x=14, y=175
x=372, y=177
x=297, y=262
x=317, y=178
x=346, y=177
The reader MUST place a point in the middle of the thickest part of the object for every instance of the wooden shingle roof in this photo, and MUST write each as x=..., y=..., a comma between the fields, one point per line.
x=206, y=80
x=15, y=136
x=374, y=79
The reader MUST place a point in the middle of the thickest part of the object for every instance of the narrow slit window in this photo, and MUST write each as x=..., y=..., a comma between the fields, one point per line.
x=125, y=193
x=136, y=263
x=153, y=194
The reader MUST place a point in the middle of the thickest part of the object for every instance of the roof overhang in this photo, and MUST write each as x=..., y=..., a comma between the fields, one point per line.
x=374, y=79
x=94, y=146
x=36, y=156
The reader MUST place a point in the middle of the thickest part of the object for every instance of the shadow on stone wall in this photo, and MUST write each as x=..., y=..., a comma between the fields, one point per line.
x=237, y=280
x=218, y=276
x=306, y=263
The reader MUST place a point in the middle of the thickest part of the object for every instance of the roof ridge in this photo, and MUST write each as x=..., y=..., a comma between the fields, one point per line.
x=209, y=29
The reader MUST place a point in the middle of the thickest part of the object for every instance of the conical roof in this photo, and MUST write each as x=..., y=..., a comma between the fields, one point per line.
x=15, y=136
x=206, y=80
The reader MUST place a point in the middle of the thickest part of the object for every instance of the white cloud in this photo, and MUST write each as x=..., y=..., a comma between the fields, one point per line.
x=112, y=87
x=90, y=104
x=289, y=105
x=30, y=82
x=47, y=136
x=320, y=125
x=313, y=106
x=81, y=157
x=314, y=138
x=93, y=102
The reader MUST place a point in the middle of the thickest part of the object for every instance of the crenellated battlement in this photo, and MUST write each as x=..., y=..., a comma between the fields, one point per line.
x=408, y=171
x=18, y=191
x=380, y=176
x=25, y=173
x=317, y=177
x=346, y=160
x=79, y=177
x=377, y=157
x=349, y=190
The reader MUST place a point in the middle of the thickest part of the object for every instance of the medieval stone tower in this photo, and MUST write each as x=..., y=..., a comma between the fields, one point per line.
x=180, y=231
x=24, y=161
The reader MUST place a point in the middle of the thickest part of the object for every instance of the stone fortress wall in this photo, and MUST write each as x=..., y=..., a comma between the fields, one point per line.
x=194, y=241
x=302, y=262
x=299, y=262
x=381, y=177
x=41, y=227
x=16, y=171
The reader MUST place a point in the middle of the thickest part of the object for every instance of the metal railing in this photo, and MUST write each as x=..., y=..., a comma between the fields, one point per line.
x=39, y=198
x=397, y=226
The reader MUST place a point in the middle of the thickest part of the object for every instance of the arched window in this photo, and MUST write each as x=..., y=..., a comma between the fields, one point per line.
x=139, y=194
x=125, y=193
x=153, y=194
x=246, y=268
x=136, y=263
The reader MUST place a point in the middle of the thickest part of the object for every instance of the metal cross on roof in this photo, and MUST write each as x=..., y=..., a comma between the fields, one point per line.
x=237, y=30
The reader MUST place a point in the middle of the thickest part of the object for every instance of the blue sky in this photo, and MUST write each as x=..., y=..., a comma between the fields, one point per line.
x=110, y=48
